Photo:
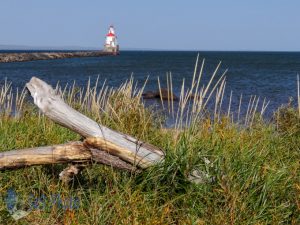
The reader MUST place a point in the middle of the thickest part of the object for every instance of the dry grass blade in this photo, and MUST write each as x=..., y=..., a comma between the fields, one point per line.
x=239, y=109
x=298, y=93
x=229, y=105
x=160, y=93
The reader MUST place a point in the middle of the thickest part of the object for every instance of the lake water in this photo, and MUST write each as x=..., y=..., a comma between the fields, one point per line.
x=270, y=75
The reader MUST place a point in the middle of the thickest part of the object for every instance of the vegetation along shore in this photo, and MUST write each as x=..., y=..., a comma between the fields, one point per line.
x=249, y=166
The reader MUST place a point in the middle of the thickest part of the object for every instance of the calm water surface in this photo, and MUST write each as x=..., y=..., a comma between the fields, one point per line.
x=270, y=75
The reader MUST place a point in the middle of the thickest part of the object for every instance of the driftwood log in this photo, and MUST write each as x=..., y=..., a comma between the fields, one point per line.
x=101, y=144
x=124, y=146
x=70, y=152
x=74, y=152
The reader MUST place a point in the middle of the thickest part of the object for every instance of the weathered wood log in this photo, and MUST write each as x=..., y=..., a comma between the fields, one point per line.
x=75, y=152
x=105, y=158
x=124, y=146
x=70, y=152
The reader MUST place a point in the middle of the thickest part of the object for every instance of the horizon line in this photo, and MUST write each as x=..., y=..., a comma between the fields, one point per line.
x=80, y=48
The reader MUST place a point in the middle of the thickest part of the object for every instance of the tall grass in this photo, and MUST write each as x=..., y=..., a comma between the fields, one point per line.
x=10, y=102
x=251, y=165
x=195, y=99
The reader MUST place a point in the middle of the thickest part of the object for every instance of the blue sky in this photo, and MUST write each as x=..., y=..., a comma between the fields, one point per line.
x=166, y=24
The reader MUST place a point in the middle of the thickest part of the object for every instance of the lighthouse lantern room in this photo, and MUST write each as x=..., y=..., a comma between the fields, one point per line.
x=111, y=44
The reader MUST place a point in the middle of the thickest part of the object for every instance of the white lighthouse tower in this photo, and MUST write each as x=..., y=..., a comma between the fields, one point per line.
x=111, y=44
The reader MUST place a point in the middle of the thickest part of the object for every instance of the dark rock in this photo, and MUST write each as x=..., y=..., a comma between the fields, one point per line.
x=156, y=95
x=150, y=95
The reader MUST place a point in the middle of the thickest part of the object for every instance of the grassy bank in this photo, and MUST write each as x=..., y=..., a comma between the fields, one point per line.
x=251, y=166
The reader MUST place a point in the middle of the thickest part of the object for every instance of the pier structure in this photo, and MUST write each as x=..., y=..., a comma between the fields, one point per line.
x=111, y=47
x=33, y=56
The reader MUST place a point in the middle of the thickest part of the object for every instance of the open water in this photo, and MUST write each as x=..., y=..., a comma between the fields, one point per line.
x=270, y=75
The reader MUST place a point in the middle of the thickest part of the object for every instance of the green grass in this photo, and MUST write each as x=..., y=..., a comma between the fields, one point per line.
x=254, y=167
x=256, y=178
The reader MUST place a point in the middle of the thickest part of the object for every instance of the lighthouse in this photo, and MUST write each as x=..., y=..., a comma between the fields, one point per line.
x=111, y=44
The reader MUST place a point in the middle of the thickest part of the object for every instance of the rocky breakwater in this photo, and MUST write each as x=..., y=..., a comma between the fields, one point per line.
x=31, y=56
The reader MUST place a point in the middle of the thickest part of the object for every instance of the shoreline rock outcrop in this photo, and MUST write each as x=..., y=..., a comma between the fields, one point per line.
x=157, y=95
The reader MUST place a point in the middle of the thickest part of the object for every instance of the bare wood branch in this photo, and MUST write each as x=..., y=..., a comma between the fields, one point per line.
x=113, y=149
x=70, y=152
x=124, y=146
x=110, y=160
x=75, y=152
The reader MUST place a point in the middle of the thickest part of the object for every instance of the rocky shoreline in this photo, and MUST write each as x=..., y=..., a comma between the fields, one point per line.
x=31, y=56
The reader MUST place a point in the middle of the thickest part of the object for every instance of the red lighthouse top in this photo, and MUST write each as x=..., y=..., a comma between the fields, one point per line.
x=111, y=32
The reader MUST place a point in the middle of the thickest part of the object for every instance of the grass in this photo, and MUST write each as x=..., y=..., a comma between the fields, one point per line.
x=253, y=164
